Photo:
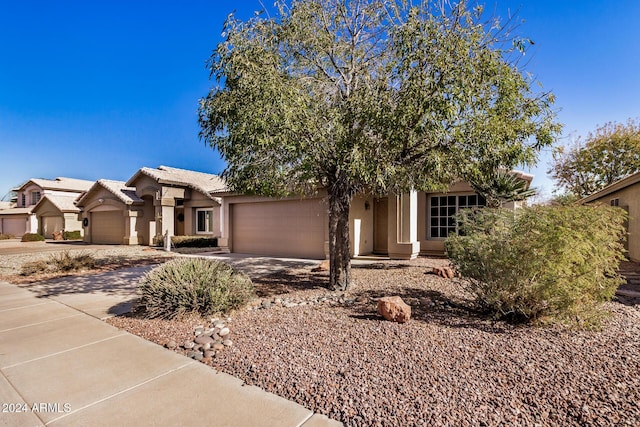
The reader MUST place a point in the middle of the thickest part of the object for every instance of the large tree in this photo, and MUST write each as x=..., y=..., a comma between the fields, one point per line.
x=369, y=96
x=606, y=155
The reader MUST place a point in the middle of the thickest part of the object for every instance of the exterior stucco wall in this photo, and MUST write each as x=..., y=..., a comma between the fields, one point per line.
x=200, y=201
x=629, y=198
x=100, y=200
x=361, y=226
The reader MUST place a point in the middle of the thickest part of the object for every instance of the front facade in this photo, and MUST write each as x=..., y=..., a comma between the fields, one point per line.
x=22, y=218
x=625, y=194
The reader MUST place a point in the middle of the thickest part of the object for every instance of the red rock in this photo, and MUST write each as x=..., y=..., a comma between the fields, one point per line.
x=446, y=272
x=394, y=309
x=323, y=266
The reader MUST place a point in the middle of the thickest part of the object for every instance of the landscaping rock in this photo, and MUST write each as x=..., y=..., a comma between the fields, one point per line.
x=394, y=309
x=203, y=339
x=323, y=266
x=446, y=272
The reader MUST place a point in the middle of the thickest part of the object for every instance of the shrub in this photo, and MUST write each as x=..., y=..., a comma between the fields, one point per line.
x=193, y=285
x=551, y=263
x=6, y=236
x=59, y=263
x=190, y=242
x=72, y=235
x=32, y=237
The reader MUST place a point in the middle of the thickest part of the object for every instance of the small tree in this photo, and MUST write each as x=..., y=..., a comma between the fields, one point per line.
x=369, y=96
x=605, y=156
x=502, y=186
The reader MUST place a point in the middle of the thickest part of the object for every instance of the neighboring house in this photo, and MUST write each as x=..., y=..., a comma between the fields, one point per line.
x=625, y=194
x=151, y=203
x=400, y=226
x=57, y=213
x=21, y=218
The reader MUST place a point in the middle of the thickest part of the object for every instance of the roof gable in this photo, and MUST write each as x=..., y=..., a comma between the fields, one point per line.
x=119, y=189
x=204, y=183
x=60, y=183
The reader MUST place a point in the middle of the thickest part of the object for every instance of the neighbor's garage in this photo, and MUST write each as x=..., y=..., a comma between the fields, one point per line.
x=51, y=224
x=291, y=228
x=107, y=227
x=15, y=226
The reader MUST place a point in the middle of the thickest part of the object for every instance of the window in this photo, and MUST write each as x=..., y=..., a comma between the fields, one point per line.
x=615, y=202
x=35, y=197
x=442, y=210
x=23, y=199
x=204, y=221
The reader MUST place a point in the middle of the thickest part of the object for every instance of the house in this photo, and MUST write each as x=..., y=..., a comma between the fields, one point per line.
x=56, y=214
x=625, y=194
x=400, y=226
x=152, y=202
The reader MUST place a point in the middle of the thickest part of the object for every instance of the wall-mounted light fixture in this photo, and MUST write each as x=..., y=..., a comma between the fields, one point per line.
x=101, y=200
x=367, y=206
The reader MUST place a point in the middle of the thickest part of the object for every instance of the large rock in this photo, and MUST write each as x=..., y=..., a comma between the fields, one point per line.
x=446, y=272
x=394, y=309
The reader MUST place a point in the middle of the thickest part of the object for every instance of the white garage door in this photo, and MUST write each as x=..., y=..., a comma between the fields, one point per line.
x=51, y=224
x=107, y=227
x=295, y=228
x=14, y=226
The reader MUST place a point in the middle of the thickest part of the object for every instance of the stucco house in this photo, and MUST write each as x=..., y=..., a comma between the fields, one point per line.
x=625, y=194
x=152, y=202
x=51, y=215
x=400, y=226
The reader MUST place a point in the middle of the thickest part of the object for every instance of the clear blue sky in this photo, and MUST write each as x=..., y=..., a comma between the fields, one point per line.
x=97, y=89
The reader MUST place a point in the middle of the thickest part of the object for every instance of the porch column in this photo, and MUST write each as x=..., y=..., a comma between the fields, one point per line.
x=225, y=223
x=131, y=232
x=403, y=226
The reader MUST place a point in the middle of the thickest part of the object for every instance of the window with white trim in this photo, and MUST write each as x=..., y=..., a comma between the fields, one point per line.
x=35, y=197
x=442, y=211
x=204, y=221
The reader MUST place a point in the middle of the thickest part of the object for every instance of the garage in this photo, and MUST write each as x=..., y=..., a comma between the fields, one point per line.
x=51, y=224
x=107, y=227
x=290, y=228
x=16, y=226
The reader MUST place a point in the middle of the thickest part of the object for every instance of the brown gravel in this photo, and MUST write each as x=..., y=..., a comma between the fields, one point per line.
x=445, y=367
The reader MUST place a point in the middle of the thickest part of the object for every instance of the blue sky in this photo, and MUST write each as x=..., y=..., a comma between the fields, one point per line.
x=97, y=89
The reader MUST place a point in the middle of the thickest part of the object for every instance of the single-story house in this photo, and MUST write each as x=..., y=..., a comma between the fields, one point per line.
x=151, y=203
x=57, y=213
x=400, y=226
x=625, y=194
x=21, y=219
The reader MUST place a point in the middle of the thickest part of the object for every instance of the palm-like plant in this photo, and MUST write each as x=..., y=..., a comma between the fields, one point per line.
x=502, y=186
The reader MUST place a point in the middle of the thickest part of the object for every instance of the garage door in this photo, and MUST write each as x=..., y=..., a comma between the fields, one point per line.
x=295, y=228
x=51, y=224
x=14, y=226
x=107, y=227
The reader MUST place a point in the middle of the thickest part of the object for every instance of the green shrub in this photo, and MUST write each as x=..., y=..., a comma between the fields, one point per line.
x=59, y=263
x=32, y=237
x=190, y=242
x=6, y=236
x=193, y=285
x=72, y=235
x=551, y=263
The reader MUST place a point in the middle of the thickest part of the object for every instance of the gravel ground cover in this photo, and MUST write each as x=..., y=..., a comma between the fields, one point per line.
x=447, y=366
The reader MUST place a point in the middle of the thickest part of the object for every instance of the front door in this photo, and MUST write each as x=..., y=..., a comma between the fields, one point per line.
x=380, y=225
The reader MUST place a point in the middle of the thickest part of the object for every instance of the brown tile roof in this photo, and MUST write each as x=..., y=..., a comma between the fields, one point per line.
x=118, y=188
x=61, y=183
x=199, y=181
x=63, y=203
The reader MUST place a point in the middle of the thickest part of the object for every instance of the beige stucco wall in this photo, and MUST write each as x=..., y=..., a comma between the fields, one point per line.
x=197, y=201
x=361, y=226
x=629, y=198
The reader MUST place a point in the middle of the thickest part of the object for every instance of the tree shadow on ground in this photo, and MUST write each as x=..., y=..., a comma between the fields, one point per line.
x=380, y=266
x=430, y=306
x=284, y=282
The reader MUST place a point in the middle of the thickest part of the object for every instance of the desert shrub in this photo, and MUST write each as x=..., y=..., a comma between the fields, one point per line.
x=63, y=262
x=66, y=261
x=193, y=285
x=32, y=237
x=190, y=242
x=72, y=235
x=6, y=236
x=551, y=263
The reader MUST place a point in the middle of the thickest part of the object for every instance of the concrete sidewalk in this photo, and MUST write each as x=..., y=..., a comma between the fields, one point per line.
x=61, y=366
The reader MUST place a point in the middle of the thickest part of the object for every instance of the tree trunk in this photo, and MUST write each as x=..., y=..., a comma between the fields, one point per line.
x=339, y=248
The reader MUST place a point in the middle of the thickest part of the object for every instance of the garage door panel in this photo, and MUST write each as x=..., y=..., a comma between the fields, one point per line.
x=14, y=226
x=293, y=228
x=107, y=227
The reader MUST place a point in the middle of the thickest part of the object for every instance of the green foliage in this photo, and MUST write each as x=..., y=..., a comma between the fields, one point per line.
x=604, y=157
x=548, y=263
x=370, y=96
x=6, y=236
x=193, y=285
x=63, y=262
x=190, y=242
x=32, y=237
x=500, y=186
x=72, y=235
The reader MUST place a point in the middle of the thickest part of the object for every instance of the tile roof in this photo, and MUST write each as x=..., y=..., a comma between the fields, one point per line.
x=63, y=203
x=16, y=211
x=61, y=183
x=118, y=188
x=200, y=181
